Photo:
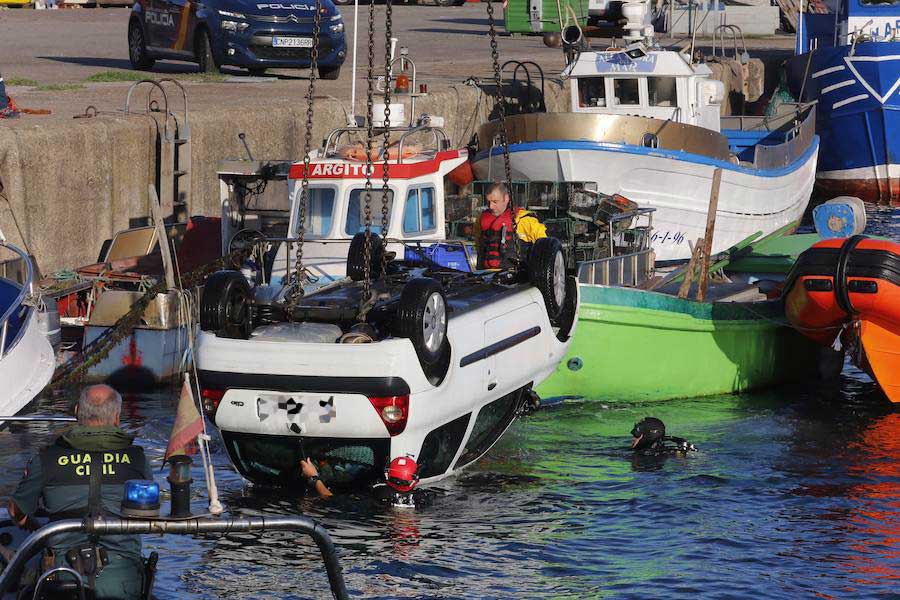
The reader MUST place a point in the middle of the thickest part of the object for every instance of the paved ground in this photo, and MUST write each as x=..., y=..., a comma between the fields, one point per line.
x=59, y=50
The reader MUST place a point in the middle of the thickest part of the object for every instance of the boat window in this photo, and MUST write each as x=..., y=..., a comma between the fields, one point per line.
x=662, y=91
x=592, y=91
x=356, y=210
x=625, y=92
x=418, y=215
x=319, y=211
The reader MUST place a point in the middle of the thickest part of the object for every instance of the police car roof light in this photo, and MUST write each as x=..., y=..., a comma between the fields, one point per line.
x=141, y=498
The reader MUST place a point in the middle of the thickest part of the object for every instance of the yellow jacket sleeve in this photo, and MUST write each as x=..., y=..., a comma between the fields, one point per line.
x=529, y=228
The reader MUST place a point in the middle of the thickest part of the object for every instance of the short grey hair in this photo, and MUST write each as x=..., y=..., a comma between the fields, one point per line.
x=497, y=187
x=99, y=405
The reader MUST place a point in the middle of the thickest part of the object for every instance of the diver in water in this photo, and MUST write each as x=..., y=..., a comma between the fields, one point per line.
x=399, y=489
x=649, y=439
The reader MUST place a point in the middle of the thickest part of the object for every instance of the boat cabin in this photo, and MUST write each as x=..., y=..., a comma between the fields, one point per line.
x=658, y=84
x=847, y=21
x=420, y=161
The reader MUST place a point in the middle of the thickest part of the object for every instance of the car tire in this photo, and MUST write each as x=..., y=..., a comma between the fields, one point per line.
x=356, y=257
x=137, y=47
x=422, y=318
x=344, y=2
x=569, y=313
x=329, y=73
x=256, y=71
x=203, y=51
x=547, y=272
x=445, y=2
x=225, y=305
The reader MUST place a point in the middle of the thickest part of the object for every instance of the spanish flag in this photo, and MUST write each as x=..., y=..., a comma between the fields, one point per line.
x=188, y=424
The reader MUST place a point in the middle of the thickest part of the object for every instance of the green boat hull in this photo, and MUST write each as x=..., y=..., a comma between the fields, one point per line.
x=633, y=345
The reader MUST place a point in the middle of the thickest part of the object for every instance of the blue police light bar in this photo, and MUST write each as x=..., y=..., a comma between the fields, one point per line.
x=141, y=498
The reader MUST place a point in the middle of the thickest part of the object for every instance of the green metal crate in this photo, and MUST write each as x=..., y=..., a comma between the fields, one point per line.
x=541, y=16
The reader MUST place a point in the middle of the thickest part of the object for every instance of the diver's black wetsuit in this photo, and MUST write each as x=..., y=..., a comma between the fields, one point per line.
x=667, y=446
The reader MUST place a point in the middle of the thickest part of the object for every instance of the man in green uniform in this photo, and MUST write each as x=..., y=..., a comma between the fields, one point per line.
x=59, y=479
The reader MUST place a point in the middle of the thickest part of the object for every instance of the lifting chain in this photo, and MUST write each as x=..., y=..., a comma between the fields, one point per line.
x=501, y=114
x=370, y=136
x=385, y=190
x=307, y=147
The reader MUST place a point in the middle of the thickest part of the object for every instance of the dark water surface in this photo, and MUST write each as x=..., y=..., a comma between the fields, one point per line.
x=794, y=493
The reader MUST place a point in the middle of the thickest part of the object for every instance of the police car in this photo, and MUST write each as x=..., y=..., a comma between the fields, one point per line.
x=241, y=33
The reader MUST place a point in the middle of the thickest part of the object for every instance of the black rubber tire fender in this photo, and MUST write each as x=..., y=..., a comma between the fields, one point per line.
x=225, y=305
x=137, y=46
x=415, y=316
x=356, y=256
x=543, y=265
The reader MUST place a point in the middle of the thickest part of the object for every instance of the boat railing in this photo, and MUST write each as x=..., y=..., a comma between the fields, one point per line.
x=334, y=139
x=23, y=293
x=797, y=141
x=627, y=270
x=103, y=526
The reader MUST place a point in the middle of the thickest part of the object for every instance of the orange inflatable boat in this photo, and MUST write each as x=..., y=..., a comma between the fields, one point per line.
x=850, y=287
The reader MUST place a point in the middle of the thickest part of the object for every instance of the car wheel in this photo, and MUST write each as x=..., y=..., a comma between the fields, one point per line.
x=330, y=73
x=356, y=257
x=547, y=272
x=137, y=47
x=343, y=2
x=569, y=313
x=203, y=52
x=225, y=305
x=445, y=2
x=422, y=318
x=257, y=71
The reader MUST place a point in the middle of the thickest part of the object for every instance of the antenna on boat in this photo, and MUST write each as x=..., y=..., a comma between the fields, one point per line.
x=352, y=119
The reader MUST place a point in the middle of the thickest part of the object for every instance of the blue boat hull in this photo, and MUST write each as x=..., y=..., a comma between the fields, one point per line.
x=857, y=117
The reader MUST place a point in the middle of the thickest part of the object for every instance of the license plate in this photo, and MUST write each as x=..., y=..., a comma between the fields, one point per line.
x=292, y=42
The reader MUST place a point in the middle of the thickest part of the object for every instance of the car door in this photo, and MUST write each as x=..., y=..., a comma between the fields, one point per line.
x=180, y=15
x=157, y=23
x=511, y=339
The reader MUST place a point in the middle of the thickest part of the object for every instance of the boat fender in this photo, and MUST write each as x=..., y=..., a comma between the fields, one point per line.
x=840, y=217
x=841, y=291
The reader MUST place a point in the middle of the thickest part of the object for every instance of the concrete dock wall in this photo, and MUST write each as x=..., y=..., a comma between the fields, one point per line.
x=73, y=184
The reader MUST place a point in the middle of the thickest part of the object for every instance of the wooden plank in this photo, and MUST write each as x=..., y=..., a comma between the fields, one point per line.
x=685, y=288
x=710, y=231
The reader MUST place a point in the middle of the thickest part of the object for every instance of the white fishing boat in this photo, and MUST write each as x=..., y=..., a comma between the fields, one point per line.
x=644, y=123
x=27, y=358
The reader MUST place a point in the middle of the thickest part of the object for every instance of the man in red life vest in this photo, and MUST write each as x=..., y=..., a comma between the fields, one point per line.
x=494, y=230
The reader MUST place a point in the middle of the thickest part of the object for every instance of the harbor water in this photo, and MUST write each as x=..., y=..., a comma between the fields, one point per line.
x=794, y=492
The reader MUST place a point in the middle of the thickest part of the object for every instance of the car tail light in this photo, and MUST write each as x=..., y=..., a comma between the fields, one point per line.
x=211, y=400
x=393, y=411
